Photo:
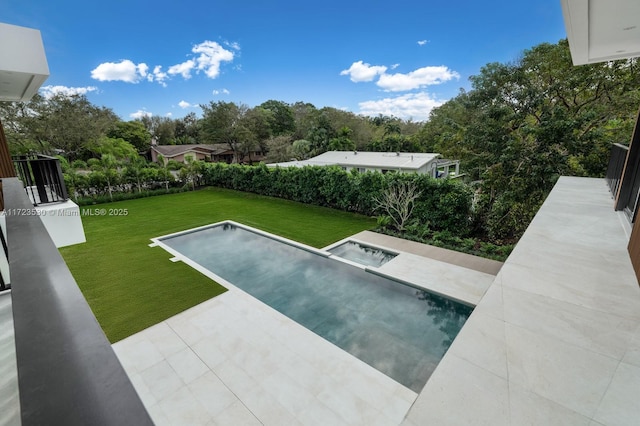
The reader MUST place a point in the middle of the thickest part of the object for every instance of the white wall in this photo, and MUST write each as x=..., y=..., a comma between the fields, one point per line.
x=63, y=222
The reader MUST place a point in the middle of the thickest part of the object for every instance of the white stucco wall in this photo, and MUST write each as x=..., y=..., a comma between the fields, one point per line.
x=63, y=222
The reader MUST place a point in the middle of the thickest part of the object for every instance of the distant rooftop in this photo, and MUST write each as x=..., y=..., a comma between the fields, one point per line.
x=169, y=151
x=383, y=160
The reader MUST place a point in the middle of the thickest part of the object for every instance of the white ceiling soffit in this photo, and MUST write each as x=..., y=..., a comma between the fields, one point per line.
x=23, y=64
x=602, y=30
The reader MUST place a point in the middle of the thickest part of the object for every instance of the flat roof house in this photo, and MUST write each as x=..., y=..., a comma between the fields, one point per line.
x=384, y=162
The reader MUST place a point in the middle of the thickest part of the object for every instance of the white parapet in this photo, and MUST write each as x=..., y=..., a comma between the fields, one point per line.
x=63, y=222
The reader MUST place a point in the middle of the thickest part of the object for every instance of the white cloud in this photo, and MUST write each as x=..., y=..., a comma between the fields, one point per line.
x=124, y=70
x=158, y=75
x=140, y=113
x=143, y=69
x=422, y=42
x=50, y=91
x=419, y=78
x=233, y=45
x=206, y=57
x=220, y=92
x=359, y=71
x=184, y=69
x=416, y=106
x=211, y=55
x=184, y=104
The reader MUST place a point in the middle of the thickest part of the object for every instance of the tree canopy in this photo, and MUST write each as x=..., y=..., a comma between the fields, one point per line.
x=525, y=123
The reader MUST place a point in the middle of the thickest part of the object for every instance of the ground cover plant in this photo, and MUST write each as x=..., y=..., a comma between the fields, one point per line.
x=131, y=286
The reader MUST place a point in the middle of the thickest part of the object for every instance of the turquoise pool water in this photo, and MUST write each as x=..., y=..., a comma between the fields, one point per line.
x=399, y=330
x=362, y=253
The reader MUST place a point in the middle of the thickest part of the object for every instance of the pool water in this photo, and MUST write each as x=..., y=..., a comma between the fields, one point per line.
x=362, y=254
x=399, y=330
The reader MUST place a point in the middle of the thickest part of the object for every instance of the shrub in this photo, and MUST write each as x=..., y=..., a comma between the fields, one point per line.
x=442, y=204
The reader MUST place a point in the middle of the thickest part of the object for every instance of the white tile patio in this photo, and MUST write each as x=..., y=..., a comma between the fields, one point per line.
x=233, y=360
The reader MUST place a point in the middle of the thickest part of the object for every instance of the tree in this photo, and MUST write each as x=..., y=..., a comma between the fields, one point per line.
x=163, y=129
x=525, y=123
x=224, y=122
x=118, y=147
x=279, y=149
x=72, y=179
x=133, y=132
x=192, y=171
x=257, y=122
x=282, y=120
x=397, y=201
x=64, y=124
x=342, y=142
x=187, y=129
x=137, y=170
x=107, y=168
x=165, y=172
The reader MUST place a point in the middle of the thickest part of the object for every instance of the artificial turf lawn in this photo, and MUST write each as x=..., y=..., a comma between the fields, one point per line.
x=131, y=286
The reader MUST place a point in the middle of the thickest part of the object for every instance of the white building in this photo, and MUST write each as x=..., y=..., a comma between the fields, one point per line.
x=384, y=162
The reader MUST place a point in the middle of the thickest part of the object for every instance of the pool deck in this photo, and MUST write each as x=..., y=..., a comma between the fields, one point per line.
x=554, y=340
x=459, y=276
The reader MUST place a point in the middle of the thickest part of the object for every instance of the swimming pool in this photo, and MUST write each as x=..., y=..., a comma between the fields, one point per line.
x=362, y=253
x=400, y=330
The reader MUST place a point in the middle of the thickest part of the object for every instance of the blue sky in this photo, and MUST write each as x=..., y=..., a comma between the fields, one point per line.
x=370, y=57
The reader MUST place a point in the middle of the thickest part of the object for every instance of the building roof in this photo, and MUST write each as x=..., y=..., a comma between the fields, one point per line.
x=169, y=151
x=379, y=160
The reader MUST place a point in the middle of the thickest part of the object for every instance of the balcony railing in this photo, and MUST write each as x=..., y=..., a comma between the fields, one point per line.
x=68, y=374
x=616, y=166
x=42, y=178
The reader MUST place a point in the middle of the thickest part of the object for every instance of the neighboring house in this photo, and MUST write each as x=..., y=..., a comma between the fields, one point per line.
x=384, y=162
x=217, y=153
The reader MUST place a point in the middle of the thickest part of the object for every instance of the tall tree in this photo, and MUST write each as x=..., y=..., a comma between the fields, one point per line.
x=133, y=132
x=225, y=122
x=62, y=123
x=525, y=123
x=282, y=120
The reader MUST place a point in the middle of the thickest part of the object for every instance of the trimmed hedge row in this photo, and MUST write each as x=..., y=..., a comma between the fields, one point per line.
x=443, y=204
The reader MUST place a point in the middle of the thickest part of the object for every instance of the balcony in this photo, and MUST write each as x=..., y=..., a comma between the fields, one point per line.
x=43, y=183
x=61, y=369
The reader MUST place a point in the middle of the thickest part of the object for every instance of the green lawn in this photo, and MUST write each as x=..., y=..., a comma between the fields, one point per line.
x=131, y=286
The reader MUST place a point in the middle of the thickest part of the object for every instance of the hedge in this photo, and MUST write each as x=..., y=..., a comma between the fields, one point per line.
x=443, y=204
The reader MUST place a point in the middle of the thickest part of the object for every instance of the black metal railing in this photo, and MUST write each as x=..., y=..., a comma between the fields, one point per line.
x=68, y=373
x=616, y=165
x=42, y=178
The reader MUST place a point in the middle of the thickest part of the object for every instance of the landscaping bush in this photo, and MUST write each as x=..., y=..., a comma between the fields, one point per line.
x=445, y=205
